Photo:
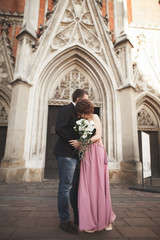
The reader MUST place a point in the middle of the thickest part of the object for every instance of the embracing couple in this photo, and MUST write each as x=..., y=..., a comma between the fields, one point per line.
x=84, y=181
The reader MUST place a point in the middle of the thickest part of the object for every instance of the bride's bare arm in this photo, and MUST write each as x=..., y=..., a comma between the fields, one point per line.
x=98, y=125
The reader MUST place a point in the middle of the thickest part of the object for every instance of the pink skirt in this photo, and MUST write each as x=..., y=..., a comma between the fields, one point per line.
x=94, y=201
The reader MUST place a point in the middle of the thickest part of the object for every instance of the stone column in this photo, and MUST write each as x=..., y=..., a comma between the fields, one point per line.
x=131, y=170
x=13, y=164
x=130, y=166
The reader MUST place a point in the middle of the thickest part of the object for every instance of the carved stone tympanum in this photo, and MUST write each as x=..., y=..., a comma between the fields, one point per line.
x=146, y=120
x=69, y=82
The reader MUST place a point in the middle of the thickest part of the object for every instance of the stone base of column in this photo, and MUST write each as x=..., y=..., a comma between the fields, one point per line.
x=16, y=175
x=130, y=173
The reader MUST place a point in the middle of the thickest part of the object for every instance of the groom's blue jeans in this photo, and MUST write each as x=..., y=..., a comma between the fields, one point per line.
x=66, y=167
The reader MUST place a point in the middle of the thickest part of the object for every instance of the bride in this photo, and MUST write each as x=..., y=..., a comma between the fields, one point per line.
x=94, y=201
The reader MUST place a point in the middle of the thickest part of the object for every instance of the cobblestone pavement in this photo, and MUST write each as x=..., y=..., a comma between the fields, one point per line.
x=28, y=211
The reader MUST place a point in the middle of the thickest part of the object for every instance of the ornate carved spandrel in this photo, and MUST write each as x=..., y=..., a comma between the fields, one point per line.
x=69, y=82
x=3, y=116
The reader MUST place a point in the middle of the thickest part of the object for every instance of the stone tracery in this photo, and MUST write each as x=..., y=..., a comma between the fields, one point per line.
x=77, y=26
x=72, y=80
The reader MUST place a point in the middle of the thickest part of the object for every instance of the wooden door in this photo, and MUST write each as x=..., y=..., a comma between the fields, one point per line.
x=51, y=167
x=3, y=134
x=155, y=161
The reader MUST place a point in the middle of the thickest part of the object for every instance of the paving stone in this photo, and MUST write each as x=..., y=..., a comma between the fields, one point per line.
x=156, y=230
x=120, y=222
x=140, y=222
x=5, y=221
x=137, y=232
x=5, y=232
x=156, y=220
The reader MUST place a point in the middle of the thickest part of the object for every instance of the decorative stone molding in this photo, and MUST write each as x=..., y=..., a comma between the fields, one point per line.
x=3, y=116
x=13, y=18
x=77, y=26
x=5, y=25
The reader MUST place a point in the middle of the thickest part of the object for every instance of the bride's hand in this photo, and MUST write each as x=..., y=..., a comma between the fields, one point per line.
x=75, y=143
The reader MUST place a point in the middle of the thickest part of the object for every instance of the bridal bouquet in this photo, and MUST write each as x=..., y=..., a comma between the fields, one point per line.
x=85, y=129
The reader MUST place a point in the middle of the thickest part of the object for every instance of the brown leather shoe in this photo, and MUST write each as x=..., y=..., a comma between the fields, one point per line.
x=68, y=227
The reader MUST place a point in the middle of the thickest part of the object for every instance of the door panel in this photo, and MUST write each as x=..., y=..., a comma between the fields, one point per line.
x=51, y=167
x=155, y=164
x=3, y=135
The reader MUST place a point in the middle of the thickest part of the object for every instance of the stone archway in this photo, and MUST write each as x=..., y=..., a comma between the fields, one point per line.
x=54, y=88
x=148, y=122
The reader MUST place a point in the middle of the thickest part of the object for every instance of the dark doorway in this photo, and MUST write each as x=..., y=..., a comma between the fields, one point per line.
x=155, y=164
x=51, y=167
x=3, y=135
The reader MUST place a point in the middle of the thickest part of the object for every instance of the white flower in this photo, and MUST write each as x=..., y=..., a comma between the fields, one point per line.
x=84, y=135
x=79, y=122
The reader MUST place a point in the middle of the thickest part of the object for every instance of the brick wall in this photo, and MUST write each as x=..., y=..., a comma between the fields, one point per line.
x=129, y=11
x=111, y=16
x=12, y=5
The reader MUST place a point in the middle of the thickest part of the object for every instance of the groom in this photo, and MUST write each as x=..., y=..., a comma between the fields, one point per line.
x=67, y=158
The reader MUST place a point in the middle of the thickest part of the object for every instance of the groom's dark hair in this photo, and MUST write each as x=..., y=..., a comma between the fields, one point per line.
x=78, y=93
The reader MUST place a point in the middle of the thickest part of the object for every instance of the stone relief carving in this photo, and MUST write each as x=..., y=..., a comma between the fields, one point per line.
x=145, y=83
x=3, y=116
x=5, y=41
x=4, y=75
x=145, y=119
x=77, y=26
x=72, y=80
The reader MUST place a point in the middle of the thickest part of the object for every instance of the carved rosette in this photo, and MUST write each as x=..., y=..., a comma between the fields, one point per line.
x=3, y=116
x=77, y=26
x=71, y=81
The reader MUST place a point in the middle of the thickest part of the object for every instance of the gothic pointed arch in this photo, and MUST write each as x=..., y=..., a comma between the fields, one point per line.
x=148, y=109
x=81, y=24
x=70, y=69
